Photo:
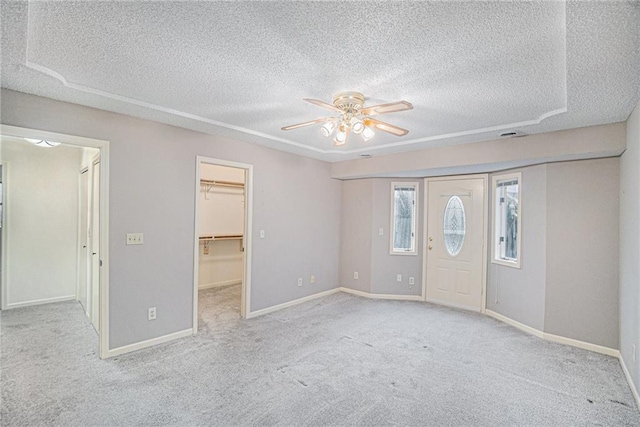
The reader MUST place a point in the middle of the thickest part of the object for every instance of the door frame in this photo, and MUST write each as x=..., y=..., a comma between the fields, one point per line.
x=82, y=171
x=4, y=240
x=103, y=146
x=245, y=295
x=485, y=231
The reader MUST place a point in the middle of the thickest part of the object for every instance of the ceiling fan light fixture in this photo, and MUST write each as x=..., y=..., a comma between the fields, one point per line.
x=341, y=136
x=367, y=133
x=354, y=117
x=327, y=128
x=357, y=126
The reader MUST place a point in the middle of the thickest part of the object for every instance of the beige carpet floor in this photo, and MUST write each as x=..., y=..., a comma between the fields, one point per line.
x=338, y=360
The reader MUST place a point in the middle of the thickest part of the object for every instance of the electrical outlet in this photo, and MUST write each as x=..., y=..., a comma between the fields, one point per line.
x=313, y=279
x=380, y=232
x=399, y=277
x=135, y=238
x=299, y=281
x=412, y=281
x=151, y=313
x=262, y=234
x=355, y=275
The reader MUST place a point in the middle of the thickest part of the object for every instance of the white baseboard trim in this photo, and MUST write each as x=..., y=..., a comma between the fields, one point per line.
x=515, y=324
x=220, y=284
x=381, y=296
x=555, y=338
x=40, y=301
x=291, y=303
x=148, y=343
x=634, y=390
x=581, y=344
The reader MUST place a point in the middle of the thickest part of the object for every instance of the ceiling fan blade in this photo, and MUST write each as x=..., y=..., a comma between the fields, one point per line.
x=323, y=104
x=386, y=127
x=312, y=122
x=387, y=108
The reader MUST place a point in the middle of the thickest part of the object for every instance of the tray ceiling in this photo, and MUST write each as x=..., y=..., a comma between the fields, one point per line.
x=240, y=69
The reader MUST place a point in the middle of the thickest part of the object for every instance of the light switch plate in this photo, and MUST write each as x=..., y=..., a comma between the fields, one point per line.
x=135, y=238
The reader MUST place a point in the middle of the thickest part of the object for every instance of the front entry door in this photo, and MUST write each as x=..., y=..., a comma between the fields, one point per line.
x=455, y=242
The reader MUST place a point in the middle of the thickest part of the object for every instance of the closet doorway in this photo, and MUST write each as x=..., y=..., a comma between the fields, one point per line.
x=222, y=248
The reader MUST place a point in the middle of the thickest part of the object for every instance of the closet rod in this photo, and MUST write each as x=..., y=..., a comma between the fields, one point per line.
x=222, y=183
x=222, y=237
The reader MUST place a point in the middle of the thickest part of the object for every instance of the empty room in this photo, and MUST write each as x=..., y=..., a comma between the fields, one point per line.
x=320, y=213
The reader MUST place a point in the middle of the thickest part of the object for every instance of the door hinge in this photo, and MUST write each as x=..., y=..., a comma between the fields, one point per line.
x=100, y=263
x=501, y=200
x=501, y=239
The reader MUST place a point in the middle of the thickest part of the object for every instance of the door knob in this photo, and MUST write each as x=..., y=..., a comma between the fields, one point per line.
x=430, y=247
x=431, y=239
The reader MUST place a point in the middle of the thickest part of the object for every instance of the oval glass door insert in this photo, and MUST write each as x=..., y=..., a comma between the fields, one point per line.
x=454, y=225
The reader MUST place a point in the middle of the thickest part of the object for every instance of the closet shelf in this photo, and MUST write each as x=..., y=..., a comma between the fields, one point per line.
x=210, y=183
x=221, y=237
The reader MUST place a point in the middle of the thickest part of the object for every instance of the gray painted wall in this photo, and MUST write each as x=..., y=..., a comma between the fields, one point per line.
x=152, y=178
x=630, y=248
x=568, y=283
x=384, y=266
x=582, y=251
x=356, y=234
x=367, y=208
x=520, y=293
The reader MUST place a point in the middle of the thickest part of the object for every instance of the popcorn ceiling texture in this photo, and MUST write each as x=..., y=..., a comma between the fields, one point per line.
x=465, y=66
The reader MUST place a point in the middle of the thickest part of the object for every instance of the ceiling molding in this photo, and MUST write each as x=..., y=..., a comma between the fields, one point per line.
x=525, y=67
x=34, y=66
x=52, y=73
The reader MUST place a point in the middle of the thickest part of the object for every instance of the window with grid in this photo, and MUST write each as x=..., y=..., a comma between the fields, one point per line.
x=507, y=213
x=403, y=220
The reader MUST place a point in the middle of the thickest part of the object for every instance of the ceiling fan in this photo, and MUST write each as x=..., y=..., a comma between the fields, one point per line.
x=353, y=116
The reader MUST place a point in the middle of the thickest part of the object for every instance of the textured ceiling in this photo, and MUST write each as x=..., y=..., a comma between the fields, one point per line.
x=240, y=69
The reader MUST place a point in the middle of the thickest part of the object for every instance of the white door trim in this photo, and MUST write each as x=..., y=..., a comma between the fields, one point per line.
x=485, y=231
x=245, y=304
x=81, y=172
x=103, y=146
x=5, y=236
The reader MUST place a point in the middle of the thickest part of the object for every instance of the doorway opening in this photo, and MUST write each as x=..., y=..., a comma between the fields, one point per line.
x=54, y=239
x=222, y=244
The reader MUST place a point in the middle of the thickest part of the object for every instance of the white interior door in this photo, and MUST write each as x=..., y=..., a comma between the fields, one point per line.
x=83, y=251
x=95, y=246
x=455, y=242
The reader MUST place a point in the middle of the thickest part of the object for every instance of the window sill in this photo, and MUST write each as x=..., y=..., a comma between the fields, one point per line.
x=505, y=263
x=412, y=253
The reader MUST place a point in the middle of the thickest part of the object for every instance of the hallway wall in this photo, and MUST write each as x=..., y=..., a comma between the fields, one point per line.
x=42, y=222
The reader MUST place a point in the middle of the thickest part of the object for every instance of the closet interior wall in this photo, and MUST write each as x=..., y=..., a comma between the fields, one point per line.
x=222, y=198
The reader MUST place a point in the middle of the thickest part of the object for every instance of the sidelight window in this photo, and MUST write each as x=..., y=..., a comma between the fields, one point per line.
x=507, y=214
x=403, y=220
